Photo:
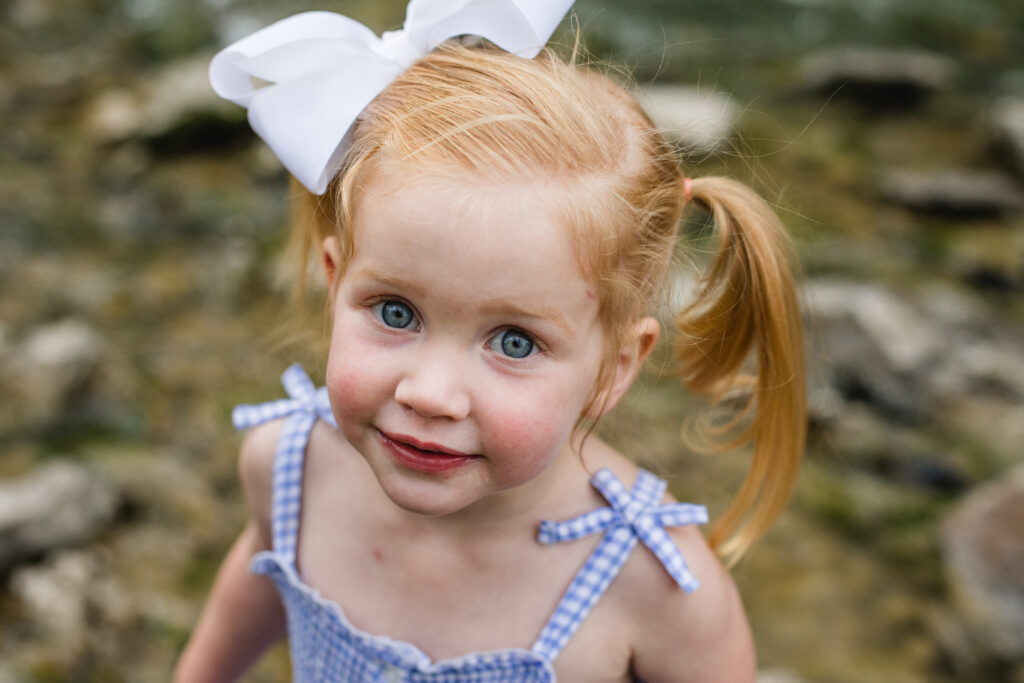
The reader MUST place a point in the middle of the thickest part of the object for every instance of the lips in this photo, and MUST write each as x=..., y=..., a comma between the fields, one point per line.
x=423, y=456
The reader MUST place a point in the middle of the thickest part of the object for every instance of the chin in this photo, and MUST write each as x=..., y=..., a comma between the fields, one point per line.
x=424, y=495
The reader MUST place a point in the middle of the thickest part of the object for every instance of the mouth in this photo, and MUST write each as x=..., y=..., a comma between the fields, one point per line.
x=423, y=456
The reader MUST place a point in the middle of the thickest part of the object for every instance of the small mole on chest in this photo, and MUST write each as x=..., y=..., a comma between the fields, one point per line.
x=378, y=555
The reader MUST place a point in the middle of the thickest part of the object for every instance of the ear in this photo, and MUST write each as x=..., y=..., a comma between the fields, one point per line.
x=637, y=345
x=332, y=259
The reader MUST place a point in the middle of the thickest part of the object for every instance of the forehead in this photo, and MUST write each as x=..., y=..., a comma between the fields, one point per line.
x=461, y=204
x=476, y=235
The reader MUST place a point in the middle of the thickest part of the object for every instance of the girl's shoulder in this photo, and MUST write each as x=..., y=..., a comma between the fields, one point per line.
x=256, y=471
x=675, y=631
x=256, y=464
x=698, y=636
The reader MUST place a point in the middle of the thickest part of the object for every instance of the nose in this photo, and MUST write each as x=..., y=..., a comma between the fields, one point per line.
x=434, y=386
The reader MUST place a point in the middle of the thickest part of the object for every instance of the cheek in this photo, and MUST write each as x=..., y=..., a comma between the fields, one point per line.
x=352, y=385
x=533, y=428
x=344, y=386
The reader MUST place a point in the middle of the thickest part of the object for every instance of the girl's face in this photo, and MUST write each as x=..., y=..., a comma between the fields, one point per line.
x=465, y=339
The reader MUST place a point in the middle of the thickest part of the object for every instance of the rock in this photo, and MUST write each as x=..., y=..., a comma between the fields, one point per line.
x=902, y=456
x=1006, y=126
x=906, y=355
x=59, y=505
x=953, y=193
x=46, y=371
x=173, y=110
x=992, y=365
x=69, y=347
x=115, y=115
x=981, y=353
x=905, y=338
x=983, y=550
x=699, y=121
x=876, y=77
x=72, y=596
x=870, y=345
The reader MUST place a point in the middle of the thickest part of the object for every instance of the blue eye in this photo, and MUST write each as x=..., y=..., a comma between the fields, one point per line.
x=394, y=314
x=515, y=343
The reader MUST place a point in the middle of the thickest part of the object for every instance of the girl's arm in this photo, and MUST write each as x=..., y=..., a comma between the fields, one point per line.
x=243, y=614
x=701, y=637
x=242, y=617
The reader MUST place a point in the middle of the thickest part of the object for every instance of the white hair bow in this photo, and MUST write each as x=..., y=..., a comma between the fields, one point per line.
x=323, y=69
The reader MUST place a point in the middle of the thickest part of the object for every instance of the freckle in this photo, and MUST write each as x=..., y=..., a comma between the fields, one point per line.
x=590, y=295
x=378, y=555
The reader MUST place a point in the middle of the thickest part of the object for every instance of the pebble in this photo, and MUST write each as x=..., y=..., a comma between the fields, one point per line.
x=51, y=365
x=983, y=549
x=954, y=193
x=905, y=337
x=700, y=121
x=58, y=505
x=870, y=345
x=75, y=599
x=905, y=354
x=161, y=105
x=876, y=77
x=1006, y=126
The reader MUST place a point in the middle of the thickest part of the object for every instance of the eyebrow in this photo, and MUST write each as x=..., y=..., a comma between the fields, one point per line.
x=385, y=279
x=545, y=314
x=496, y=305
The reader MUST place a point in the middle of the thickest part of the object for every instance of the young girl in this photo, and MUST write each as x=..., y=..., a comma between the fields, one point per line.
x=495, y=230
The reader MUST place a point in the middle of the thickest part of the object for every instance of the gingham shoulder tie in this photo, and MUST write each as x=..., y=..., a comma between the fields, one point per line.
x=306, y=404
x=632, y=515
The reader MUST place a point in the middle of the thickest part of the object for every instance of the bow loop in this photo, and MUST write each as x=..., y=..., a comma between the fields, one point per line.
x=298, y=385
x=648, y=489
x=282, y=51
x=612, y=489
x=319, y=70
x=601, y=519
x=308, y=398
x=398, y=46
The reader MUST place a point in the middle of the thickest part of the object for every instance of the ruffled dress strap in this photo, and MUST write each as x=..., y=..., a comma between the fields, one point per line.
x=632, y=516
x=305, y=405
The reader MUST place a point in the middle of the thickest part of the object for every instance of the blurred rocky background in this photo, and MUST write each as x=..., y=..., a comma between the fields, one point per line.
x=142, y=228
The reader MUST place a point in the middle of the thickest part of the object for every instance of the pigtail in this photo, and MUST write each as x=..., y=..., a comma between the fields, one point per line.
x=747, y=304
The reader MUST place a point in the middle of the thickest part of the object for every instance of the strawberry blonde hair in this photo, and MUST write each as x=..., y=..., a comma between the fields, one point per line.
x=618, y=184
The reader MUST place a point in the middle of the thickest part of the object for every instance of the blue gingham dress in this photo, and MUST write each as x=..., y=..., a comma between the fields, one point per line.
x=327, y=647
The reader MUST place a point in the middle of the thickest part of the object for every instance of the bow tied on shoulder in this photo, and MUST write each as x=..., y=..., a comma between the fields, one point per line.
x=305, y=399
x=642, y=512
x=321, y=69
